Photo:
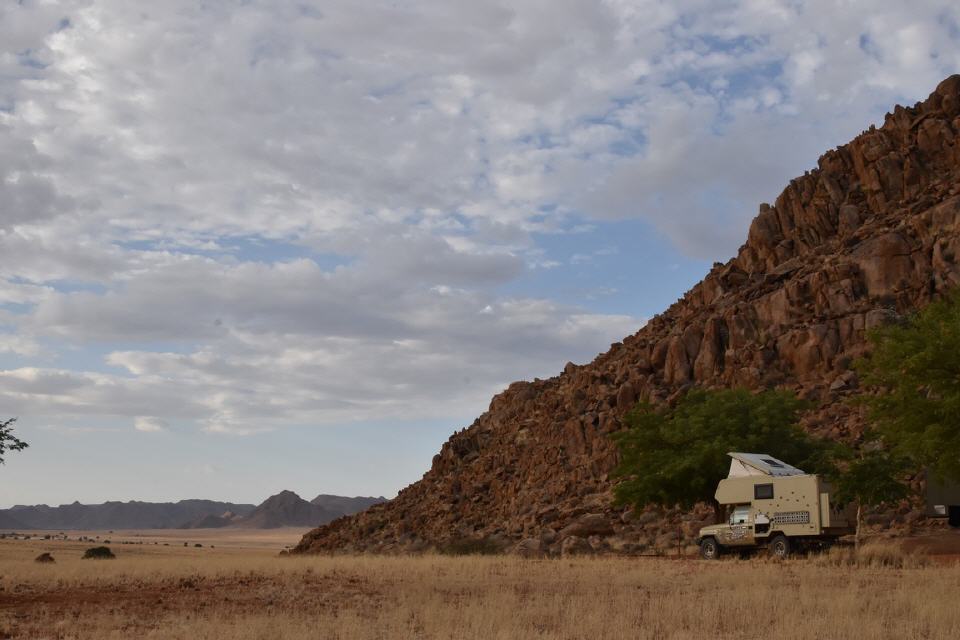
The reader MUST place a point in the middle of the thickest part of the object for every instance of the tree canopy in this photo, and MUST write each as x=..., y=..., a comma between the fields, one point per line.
x=915, y=369
x=675, y=457
x=8, y=441
x=870, y=478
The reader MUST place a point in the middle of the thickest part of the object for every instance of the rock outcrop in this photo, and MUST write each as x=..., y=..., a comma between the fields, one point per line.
x=871, y=234
x=285, y=509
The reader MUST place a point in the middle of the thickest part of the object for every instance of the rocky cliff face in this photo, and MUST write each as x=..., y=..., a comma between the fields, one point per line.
x=872, y=233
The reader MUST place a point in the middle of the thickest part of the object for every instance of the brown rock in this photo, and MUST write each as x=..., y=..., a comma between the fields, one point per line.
x=529, y=548
x=589, y=524
x=886, y=263
x=575, y=546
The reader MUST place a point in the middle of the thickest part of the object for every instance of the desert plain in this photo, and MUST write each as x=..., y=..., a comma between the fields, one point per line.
x=237, y=586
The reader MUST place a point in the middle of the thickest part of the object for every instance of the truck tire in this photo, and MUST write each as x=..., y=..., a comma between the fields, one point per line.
x=780, y=547
x=709, y=549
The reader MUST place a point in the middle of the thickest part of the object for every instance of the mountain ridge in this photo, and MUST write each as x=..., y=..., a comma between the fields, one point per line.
x=869, y=235
x=183, y=514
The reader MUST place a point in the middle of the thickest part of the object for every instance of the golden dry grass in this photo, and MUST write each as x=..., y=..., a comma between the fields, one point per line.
x=197, y=594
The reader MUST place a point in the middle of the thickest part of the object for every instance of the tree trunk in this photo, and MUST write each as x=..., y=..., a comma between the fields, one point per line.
x=717, y=512
x=856, y=535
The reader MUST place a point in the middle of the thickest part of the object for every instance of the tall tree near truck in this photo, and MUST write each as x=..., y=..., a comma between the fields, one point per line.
x=871, y=478
x=913, y=386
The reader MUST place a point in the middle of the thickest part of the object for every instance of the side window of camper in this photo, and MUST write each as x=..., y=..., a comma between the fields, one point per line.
x=762, y=491
x=741, y=514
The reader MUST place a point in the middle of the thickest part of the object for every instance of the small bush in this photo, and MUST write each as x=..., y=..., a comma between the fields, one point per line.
x=98, y=553
x=44, y=558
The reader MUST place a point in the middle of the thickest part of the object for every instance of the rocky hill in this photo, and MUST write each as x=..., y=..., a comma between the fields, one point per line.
x=9, y=523
x=211, y=521
x=286, y=509
x=873, y=232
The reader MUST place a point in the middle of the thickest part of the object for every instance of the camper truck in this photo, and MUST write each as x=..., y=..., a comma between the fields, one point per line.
x=774, y=505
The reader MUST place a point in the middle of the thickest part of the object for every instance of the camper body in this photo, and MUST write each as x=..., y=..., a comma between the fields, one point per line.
x=773, y=504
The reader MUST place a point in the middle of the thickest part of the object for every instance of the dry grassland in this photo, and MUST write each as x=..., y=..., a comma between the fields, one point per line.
x=197, y=594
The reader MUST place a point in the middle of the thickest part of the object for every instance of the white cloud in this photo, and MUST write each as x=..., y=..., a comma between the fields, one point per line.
x=149, y=424
x=273, y=213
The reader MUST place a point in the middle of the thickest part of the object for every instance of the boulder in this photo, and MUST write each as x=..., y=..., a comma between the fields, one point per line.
x=590, y=524
x=529, y=548
x=575, y=546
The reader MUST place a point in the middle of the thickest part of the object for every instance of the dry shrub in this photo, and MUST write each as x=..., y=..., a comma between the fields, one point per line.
x=98, y=553
x=875, y=555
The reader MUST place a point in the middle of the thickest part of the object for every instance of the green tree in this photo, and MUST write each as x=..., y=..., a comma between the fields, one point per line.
x=675, y=457
x=9, y=442
x=914, y=371
x=872, y=477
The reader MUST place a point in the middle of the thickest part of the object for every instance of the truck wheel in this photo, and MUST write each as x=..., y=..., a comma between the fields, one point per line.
x=780, y=546
x=709, y=549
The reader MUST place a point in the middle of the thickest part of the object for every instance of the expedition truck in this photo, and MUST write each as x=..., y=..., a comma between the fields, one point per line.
x=770, y=503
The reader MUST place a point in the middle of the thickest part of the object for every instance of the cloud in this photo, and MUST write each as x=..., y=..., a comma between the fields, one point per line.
x=243, y=216
x=149, y=424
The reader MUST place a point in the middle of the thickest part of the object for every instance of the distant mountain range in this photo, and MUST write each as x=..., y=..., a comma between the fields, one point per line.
x=286, y=509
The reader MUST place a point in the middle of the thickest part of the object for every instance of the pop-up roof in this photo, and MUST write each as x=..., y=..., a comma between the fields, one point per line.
x=759, y=464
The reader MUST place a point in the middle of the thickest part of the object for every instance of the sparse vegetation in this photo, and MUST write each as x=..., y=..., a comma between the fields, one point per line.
x=873, y=556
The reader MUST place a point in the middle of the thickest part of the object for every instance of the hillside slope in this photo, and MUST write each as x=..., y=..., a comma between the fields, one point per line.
x=344, y=506
x=873, y=232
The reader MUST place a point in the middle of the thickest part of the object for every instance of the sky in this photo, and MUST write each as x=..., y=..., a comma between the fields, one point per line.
x=256, y=245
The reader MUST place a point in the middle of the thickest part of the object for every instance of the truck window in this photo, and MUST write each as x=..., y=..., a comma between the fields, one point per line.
x=763, y=492
x=741, y=514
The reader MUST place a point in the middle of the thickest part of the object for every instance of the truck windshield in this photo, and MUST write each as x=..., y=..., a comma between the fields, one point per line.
x=740, y=515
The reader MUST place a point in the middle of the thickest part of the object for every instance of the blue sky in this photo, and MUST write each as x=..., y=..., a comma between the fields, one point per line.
x=253, y=246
